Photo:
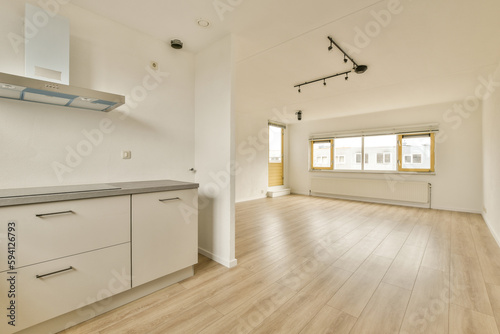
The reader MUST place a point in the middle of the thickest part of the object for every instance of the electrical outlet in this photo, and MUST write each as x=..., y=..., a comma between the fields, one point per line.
x=126, y=155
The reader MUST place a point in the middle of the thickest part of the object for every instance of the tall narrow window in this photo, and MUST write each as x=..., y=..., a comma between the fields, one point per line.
x=350, y=150
x=275, y=163
x=416, y=152
x=321, y=154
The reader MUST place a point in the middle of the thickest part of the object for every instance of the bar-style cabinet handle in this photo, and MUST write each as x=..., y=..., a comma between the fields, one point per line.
x=170, y=199
x=55, y=272
x=54, y=213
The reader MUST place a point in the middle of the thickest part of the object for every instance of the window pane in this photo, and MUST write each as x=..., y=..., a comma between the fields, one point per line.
x=322, y=154
x=275, y=144
x=347, y=150
x=384, y=148
x=387, y=158
x=417, y=152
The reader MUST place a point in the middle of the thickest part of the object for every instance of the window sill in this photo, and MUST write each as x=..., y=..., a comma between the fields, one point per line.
x=370, y=172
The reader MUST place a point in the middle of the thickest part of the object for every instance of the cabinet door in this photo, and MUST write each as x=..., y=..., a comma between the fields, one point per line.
x=49, y=231
x=164, y=233
x=46, y=290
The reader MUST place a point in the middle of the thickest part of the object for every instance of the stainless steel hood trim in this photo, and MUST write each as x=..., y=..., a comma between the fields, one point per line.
x=34, y=90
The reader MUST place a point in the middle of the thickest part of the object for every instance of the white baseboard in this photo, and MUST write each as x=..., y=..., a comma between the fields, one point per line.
x=299, y=193
x=218, y=259
x=449, y=208
x=248, y=199
x=416, y=205
x=492, y=230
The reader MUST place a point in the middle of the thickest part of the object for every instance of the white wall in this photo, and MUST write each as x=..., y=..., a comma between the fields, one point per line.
x=158, y=126
x=457, y=184
x=252, y=147
x=252, y=156
x=491, y=154
x=214, y=141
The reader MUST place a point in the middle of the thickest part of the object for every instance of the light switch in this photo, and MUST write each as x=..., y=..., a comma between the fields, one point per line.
x=126, y=154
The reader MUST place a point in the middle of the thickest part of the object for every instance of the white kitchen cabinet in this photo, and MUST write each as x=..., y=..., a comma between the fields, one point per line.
x=52, y=230
x=49, y=289
x=165, y=233
x=72, y=250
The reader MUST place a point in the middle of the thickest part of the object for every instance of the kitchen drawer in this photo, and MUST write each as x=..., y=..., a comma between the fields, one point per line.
x=165, y=233
x=95, y=275
x=53, y=230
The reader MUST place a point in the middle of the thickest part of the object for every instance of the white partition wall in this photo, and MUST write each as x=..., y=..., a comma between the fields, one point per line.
x=214, y=154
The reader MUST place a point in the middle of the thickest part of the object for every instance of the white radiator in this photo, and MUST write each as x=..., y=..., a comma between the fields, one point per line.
x=393, y=190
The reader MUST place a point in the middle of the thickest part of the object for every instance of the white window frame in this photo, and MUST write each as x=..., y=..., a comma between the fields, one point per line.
x=400, y=132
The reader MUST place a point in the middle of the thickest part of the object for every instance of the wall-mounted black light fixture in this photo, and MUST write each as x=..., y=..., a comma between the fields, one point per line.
x=359, y=69
x=299, y=115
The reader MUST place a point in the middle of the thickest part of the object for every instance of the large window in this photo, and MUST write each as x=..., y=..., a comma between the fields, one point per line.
x=383, y=149
x=392, y=152
x=321, y=154
x=417, y=152
x=348, y=153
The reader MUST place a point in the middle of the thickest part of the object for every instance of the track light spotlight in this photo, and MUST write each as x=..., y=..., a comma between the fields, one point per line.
x=346, y=76
x=345, y=59
x=324, y=82
x=299, y=89
x=360, y=69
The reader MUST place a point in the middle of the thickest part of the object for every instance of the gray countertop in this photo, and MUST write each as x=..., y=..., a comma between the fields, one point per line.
x=21, y=196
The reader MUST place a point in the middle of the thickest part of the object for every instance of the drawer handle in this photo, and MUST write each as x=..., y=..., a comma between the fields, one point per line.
x=54, y=213
x=170, y=199
x=55, y=272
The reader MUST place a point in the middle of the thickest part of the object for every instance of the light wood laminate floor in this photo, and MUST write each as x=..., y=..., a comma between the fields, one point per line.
x=313, y=265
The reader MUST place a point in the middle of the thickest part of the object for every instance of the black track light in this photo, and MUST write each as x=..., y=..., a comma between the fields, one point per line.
x=359, y=69
x=322, y=79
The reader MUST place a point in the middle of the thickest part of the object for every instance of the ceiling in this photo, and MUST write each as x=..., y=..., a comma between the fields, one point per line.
x=417, y=52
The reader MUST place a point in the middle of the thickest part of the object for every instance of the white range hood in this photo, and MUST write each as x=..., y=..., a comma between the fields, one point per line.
x=34, y=90
x=47, y=68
